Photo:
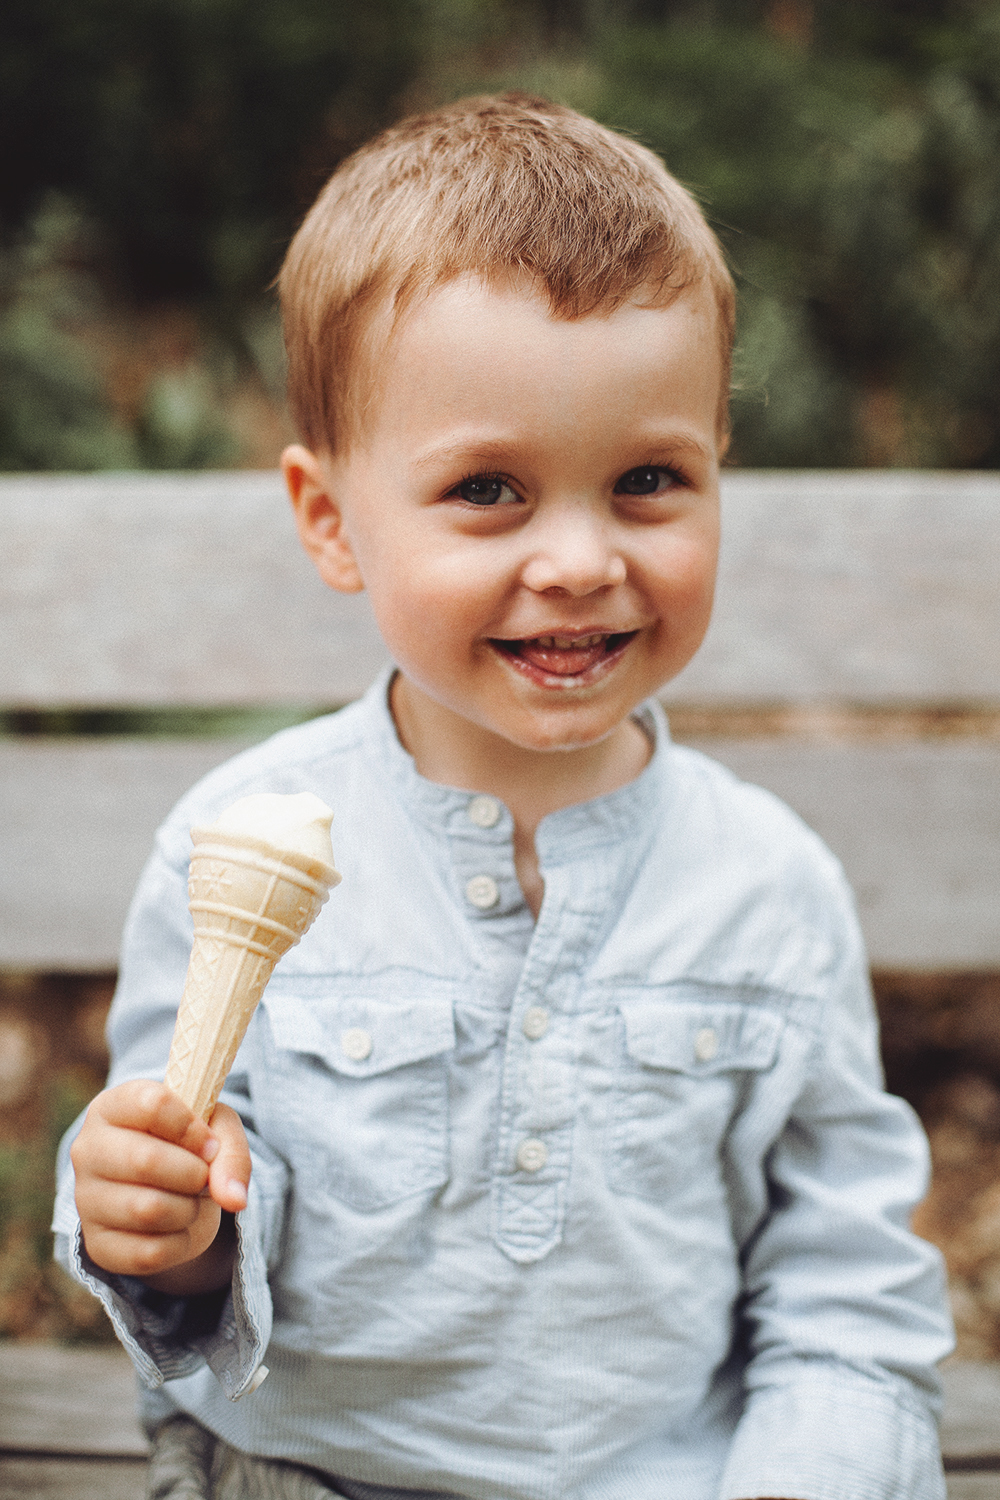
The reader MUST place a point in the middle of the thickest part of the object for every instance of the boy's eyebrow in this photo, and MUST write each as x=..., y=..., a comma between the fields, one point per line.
x=667, y=444
x=469, y=452
x=677, y=444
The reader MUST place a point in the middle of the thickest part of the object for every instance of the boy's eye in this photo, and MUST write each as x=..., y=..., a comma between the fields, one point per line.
x=486, y=489
x=645, y=481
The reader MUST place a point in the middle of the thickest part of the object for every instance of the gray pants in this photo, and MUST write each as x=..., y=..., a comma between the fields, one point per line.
x=188, y=1463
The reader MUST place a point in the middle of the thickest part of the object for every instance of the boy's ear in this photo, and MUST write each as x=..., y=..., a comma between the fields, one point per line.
x=319, y=520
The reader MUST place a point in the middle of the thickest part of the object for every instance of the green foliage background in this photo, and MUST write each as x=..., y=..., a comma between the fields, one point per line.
x=159, y=152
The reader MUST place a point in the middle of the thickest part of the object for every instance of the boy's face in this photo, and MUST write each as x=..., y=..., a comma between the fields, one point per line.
x=533, y=508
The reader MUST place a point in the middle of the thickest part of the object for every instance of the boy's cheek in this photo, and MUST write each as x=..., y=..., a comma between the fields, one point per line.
x=694, y=565
x=686, y=586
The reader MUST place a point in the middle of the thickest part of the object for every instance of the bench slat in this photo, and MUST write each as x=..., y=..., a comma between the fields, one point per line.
x=56, y=1400
x=83, y=1400
x=917, y=826
x=76, y=825
x=158, y=590
x=73, y=1479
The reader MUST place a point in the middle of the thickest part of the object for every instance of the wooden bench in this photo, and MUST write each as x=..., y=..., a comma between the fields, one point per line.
x=853, y=666
x=67, y=1431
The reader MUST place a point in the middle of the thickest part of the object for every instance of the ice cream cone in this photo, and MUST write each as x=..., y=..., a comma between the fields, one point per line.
x=252, y=896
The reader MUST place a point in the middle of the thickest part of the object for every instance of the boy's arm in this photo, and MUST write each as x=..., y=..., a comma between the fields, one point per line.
x=167, y=1335
x=845, y=1309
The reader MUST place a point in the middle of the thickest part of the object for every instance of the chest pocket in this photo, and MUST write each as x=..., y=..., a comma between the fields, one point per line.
x=361, y=1085
x=684, y=1069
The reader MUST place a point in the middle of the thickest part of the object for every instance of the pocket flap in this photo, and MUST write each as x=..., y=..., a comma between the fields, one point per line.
x=700, y=1038
x=362, y=1035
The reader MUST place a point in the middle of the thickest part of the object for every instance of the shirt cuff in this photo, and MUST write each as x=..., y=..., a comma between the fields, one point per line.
x=169, y=1337
x=834, y=1435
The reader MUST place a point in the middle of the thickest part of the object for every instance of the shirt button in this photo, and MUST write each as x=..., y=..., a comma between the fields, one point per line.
x=259, y=1376
x=484, y=812
x=483, y=891
x=356, y=1043
x=535, y=1023
x=531, y=1156
x=706, y=1044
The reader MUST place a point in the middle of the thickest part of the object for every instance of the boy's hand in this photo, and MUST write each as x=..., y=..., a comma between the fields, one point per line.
x=152, y=1182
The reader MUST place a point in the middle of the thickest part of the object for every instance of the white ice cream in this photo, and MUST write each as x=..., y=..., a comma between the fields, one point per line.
x=298, y=823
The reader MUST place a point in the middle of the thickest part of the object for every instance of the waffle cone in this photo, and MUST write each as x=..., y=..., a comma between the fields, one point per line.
x=251, y=901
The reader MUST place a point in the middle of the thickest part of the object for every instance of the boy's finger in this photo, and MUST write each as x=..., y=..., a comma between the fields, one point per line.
x=136, y=1254
x=229, y=1174
x=143, y=1104
x=111, y=1154
x=137, y=1210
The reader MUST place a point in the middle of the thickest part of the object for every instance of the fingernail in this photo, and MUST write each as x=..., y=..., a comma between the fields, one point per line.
x=236, y=1190
x=210, y=1150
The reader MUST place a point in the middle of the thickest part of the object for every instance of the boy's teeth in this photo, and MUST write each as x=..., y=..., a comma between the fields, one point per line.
x=568, y=642
x=563, y=655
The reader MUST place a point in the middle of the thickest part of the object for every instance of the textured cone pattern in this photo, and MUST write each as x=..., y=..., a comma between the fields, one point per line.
x=250, y=904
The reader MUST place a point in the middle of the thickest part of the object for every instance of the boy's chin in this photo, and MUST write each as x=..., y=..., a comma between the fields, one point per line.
x=559, y=738
x=492, y=726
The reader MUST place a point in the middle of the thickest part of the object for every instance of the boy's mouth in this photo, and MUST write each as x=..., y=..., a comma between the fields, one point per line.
x=566, y=656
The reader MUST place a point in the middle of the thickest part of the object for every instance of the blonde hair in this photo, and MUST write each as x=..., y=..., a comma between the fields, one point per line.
x=496, y=186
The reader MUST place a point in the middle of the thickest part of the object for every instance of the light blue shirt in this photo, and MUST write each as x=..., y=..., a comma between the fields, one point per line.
x=610, y=1206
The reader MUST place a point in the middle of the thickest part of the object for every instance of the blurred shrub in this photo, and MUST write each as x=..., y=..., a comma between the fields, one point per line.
x=181, y=427
x=845, y=149
x=62, y=349
x=37, y=1298
x=53, y=408
x=860, y=202
x=194, y=130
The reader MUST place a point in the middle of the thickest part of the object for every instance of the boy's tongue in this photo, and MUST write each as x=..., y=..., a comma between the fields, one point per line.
x=562, y=661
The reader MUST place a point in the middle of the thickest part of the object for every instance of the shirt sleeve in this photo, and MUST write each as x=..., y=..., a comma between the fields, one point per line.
x=166, y=1336
x=845, y=1310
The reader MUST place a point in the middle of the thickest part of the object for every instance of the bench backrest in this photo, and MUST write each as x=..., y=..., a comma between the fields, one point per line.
x=853, y=665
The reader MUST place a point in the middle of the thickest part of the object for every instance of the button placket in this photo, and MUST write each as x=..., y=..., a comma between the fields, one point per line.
x=538, y=1102
x=483, y=856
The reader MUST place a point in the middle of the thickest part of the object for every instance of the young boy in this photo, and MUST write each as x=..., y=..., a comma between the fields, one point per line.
x=555, y=1162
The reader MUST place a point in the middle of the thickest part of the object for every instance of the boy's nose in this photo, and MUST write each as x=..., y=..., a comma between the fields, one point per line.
x=575, y=556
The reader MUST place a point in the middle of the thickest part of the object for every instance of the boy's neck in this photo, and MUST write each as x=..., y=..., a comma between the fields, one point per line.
x=454, y=751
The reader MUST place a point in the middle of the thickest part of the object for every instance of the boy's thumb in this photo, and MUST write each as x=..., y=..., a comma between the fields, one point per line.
x=229, y=1174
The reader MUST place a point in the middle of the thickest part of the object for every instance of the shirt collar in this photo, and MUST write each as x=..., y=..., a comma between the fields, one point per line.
x=566, y=834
